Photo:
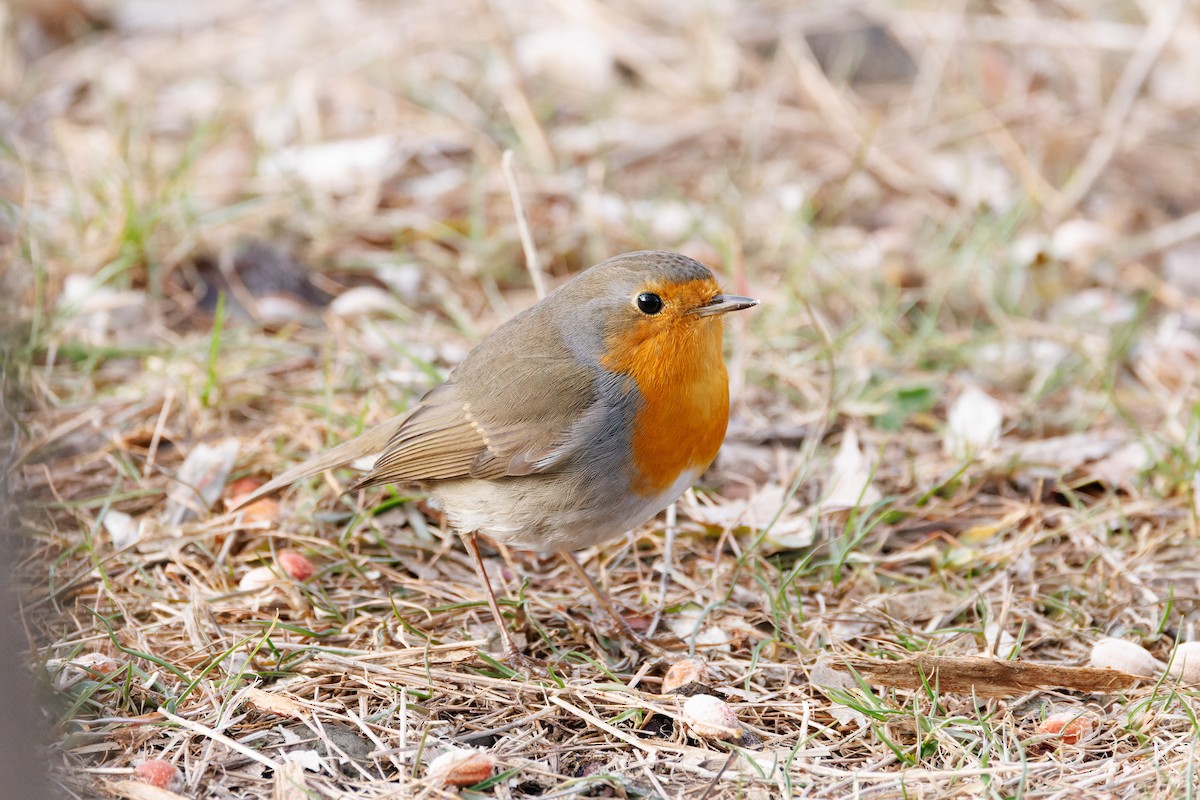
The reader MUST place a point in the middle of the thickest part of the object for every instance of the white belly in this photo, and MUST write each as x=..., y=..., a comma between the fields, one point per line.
x=545, y=515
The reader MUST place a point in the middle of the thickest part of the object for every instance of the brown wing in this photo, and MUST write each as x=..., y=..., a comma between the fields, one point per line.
x=437, y=441
x=520, y=403
x=504, y=411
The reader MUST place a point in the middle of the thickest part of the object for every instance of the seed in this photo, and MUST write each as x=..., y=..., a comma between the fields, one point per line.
x=159, y=773
x=1127, y=657
x=295, y=565
x=257, y=579
x=685, y=677
x=1069, y=726
x=1185, y=663
x=462, y=767
x=711, y=717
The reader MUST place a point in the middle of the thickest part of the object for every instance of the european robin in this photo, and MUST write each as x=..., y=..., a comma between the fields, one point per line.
x=578, y=419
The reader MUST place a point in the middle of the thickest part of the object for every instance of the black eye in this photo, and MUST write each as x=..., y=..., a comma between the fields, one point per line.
x=649, y=303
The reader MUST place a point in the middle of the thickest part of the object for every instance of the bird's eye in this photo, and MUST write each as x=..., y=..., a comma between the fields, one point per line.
x=649, y=303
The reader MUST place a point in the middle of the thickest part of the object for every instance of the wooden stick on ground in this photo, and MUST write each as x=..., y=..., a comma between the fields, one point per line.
x=985, y=677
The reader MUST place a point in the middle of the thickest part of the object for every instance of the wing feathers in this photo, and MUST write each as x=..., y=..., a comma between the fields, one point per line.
x=445, y=436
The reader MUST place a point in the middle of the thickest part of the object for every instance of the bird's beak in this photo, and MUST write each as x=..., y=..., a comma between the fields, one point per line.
x=723, y=304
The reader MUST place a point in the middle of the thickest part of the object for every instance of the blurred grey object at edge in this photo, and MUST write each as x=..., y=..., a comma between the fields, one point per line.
x=23, y=753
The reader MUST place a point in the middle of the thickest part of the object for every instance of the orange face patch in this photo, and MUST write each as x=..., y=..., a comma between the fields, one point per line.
x=676, y=360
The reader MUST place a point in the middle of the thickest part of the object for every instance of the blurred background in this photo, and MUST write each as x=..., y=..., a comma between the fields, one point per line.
x=1004, y=193
x=280, y=221
x=805, y=143
x=1035, y=161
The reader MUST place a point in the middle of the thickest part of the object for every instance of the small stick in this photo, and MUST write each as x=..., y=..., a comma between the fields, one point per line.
x=664, y=582
x=159, y=427
x=986, y=677
x=1166, y=236
x=1137, y=70
x=204, y=730
x=604, y=726
x=531, y=257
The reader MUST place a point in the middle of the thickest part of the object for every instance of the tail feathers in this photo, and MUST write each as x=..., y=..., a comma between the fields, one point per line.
x=371, y=441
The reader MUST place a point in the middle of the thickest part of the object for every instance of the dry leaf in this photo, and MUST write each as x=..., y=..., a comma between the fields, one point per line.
x=1063, y=454
x=200, y=480
x=290, y=783
x=1094, y=309
x=138, y=790
x=1123, y=465
x=1079, y=241
x=792, y=530
x=850, y=477
x=710, y=638
x=311, y=760
x=339, y=167
x=122, y=529
x=573, y=58
x=273, y=703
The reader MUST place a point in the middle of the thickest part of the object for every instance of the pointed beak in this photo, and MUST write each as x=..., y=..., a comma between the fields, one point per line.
x=723, y=304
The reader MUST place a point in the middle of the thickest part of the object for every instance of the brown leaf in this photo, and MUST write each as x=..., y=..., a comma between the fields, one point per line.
x=270, y=703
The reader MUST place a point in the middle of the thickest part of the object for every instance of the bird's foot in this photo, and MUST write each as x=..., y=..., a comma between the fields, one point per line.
x=526, y=665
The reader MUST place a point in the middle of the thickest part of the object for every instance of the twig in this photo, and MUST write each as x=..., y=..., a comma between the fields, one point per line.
x=932, y=68
x=852, y=128
x=159, y=427
x=985, y=677
x=208, y=732
x=713, y=784
x=531, y=257
x=515, y=99
x=1137, y=69
x=664, y=581
x=1164, y=237
x=604, y=726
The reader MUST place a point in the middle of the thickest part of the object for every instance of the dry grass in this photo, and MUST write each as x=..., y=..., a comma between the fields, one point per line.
x=1014, y=209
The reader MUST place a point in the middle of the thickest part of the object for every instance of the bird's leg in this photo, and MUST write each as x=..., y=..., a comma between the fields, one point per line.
x=664, y=582
x=626, y=630
x=512, y=653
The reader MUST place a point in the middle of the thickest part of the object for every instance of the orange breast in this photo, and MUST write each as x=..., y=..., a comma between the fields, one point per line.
x=681, y=423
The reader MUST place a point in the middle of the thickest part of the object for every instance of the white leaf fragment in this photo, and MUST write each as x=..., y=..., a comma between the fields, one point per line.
x=122, y=529
x=850, y=477
x=336, y=166
x=308, y=759
x=200, y=480
x=790, y=529
x=708, y=639
x=973, y=425
x=572, y=57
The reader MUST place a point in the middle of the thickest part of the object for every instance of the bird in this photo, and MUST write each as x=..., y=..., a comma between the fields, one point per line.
x=578, y=419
